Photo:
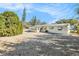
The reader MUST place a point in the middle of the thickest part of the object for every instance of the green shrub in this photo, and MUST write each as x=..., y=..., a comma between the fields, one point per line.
x=77, y=29
x=27, y=25
x=10, y=24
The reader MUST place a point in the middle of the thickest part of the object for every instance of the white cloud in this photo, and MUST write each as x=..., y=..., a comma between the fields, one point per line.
x=52, y=9
x=57, y=12
x=11, y=6
x=48, y=10
x=16, y=7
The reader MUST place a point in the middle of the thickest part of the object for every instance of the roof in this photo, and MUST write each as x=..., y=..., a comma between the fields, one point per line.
x=64, y=24
x=54, y=24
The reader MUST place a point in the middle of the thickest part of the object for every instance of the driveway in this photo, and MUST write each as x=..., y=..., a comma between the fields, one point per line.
x=43, y=44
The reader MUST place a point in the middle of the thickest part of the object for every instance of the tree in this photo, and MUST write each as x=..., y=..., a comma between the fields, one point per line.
x=10, y=24
x=77, y=28
x=33, y=21
x=24, y=15
x=76, y=10
x=62, y=21
x=71, y=21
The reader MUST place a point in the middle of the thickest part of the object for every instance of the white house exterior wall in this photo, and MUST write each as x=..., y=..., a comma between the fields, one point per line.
x=65, y=29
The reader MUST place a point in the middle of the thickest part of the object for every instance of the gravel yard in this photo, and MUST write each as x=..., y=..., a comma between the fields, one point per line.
x=39, y=44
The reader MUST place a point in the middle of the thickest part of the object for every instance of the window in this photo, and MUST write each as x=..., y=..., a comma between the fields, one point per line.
x=60, y=28
x=51, y=27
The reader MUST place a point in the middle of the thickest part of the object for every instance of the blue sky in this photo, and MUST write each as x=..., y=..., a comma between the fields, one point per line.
x=44, y=11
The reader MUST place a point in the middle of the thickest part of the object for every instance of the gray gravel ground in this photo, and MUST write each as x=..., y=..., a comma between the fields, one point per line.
x=46, y=45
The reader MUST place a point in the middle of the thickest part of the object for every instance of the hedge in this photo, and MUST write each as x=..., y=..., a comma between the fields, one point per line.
x=10, y=24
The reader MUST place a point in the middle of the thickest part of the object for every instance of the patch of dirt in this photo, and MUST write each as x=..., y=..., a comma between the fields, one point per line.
x=39, y=44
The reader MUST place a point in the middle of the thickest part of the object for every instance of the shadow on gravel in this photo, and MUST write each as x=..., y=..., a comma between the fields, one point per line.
x=47, y=45
x=34, y=48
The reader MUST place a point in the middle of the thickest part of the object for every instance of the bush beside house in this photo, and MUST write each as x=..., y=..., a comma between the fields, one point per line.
x=77, y=28
x=10, y=24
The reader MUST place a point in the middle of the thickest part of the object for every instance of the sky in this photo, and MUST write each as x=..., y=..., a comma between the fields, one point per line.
x=46, y=12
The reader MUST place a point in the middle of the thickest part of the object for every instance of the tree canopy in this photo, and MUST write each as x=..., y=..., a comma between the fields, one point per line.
x=24, y=15
x=71, y=21
x=34, y=21
x=10, y=24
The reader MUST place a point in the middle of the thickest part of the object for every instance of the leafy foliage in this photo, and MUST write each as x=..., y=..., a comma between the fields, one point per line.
x=34, y=21
x=10, y=24
x=24, y=15
x=71, y=21
x=77, y=28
